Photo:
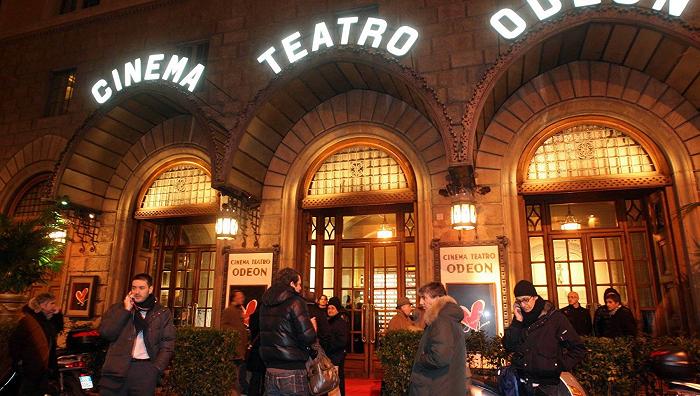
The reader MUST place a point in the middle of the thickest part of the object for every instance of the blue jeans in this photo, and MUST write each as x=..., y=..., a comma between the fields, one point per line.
x=280, y=382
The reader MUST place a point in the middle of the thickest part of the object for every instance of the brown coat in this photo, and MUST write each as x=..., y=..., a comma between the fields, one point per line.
x=232, y=319
x=402, y=322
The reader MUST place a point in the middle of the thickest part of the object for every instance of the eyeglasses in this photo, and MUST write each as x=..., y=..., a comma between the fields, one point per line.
x=523, y=300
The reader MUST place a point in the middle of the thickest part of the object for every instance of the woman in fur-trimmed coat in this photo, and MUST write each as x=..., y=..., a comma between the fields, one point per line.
x=440, y=364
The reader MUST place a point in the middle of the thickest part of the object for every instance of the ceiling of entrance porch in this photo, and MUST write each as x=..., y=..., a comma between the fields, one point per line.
x=93, y=159
x=652, y=52
x=297, y=97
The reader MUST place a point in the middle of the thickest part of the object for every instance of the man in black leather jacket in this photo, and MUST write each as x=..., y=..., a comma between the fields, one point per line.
x=543, y=342
x=286, y=334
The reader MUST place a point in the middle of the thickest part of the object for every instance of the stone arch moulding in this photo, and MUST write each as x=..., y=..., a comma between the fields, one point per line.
x=37, y=156
x=94, y=152
x=329, y=73
x=538, y=36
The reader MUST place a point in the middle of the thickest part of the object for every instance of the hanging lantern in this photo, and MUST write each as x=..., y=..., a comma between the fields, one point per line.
x=226, y=223
x=463, y=214
x=385, y=231
x=570, y=223
x=58, y=236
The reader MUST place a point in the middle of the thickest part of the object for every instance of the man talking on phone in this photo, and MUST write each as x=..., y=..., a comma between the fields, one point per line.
x=142, y=341
x=543, y=342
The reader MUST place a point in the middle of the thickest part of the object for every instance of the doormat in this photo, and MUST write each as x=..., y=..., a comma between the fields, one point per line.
x=362, y=387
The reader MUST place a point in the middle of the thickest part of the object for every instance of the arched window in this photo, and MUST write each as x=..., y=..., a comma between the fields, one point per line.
x=30, y=202
x=588, y=151
x=360, y=173
x=178, y=190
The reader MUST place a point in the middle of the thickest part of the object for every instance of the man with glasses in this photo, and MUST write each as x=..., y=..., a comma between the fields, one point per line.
x=542, y=340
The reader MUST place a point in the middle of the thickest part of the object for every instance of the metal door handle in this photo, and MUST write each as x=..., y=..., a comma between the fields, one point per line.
x=373, y=335
x=362, y=323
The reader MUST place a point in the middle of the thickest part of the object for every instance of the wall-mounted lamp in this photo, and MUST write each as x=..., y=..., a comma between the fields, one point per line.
x=239, y=213
x=226, y=223
x=462, y=188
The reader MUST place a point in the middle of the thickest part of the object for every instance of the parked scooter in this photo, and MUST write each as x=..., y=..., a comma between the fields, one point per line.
x=679, y=372
x=79, y=364
x=568, y=386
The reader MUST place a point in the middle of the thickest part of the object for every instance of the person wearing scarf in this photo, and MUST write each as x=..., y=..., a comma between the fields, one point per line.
x=542, y=340
x=142, y=341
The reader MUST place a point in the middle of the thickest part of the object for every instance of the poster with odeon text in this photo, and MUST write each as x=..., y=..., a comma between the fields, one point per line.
x=248, y=269
x=467, y=270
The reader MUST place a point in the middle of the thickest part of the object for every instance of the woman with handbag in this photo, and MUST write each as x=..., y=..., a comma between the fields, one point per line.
x=334, y=338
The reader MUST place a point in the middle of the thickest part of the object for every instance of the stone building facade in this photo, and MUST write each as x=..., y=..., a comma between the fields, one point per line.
x=585, y=128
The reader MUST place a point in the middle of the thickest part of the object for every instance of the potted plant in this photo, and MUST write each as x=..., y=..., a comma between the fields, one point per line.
x=28, y=255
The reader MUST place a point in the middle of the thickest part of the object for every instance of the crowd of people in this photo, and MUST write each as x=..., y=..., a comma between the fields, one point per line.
x=277, y=340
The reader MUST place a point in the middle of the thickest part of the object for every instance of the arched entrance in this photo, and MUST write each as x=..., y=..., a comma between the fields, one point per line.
x=615, y=232
x=360, y=245
x=175, y=241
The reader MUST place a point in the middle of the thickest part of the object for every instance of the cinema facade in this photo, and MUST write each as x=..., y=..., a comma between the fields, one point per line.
x=374, y=146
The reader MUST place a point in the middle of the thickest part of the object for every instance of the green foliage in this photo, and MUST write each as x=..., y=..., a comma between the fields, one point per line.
x=397, y=351
x=618, y=366
x=204, y=362
x=27, y=253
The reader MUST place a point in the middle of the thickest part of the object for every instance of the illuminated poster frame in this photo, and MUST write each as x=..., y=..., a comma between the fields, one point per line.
x=499, y=280
x=231, y=284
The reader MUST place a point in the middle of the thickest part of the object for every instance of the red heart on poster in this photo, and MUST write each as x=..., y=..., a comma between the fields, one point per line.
x=81, y=296
x=249, y=310
x=472, y=318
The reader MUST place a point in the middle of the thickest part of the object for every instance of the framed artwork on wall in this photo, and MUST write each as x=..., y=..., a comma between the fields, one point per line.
x=81, y=296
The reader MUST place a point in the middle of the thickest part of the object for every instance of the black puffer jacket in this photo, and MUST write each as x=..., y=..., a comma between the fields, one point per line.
x=286, y=331
x=544, y=349
x=621, y=323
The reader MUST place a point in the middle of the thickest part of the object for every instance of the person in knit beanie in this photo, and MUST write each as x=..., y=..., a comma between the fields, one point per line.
x=543, y=343
x=613, y=319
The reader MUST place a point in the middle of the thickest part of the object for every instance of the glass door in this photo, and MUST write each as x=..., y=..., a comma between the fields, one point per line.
x=368, y=261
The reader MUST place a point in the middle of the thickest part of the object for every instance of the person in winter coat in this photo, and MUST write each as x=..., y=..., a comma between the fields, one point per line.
x=614, y=319
x=232, y=319
x=286, y=334
x=33, y=344
x=439, y=367
x=542, y=340
x=579, y=316
x=142, y=341
x=254, y=362
x=334, y=338
x=403, y=320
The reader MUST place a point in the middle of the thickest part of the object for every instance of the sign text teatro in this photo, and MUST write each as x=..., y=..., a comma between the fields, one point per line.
x=511, y=25
x=372, y=33
x=152, y=69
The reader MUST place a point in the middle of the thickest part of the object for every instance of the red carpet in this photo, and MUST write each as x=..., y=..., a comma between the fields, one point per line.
x=362, y=387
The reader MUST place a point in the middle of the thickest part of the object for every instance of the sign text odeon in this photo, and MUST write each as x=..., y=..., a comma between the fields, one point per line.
x=373, y=31
x=133, y=73
x=511, y=25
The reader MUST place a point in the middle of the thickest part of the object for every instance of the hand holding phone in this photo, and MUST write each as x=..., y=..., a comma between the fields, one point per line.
x=128, y=302
x=518, y=311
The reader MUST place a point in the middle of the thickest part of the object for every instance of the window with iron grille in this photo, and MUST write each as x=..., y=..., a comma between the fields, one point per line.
x=28, y=203
x=184, y=184
x=588, y=150
x=60, y=92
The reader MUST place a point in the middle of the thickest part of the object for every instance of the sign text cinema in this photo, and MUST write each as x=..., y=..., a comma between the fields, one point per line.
x=372, y=33
x=152, y=69
x=511, y=25
x=250, y=267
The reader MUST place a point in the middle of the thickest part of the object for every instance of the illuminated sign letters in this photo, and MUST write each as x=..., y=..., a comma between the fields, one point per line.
x=154, y=68
x=372, y=34
x=511, y=25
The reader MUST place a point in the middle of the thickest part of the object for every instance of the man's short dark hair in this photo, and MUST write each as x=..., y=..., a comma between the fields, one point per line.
x=287, y=275
x=233, y=294
x=432, y=289
x=144, y=277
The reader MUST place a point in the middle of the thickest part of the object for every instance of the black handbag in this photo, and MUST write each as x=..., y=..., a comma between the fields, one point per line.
x=322, y=373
